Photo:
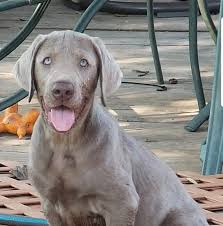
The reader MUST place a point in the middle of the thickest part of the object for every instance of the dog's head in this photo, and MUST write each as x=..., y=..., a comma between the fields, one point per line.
x=64, y=68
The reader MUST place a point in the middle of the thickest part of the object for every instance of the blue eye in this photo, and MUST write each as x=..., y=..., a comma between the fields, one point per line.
x=83, y=63
x=47, y=61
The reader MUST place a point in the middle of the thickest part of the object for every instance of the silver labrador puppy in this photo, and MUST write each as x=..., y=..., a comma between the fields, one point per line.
x=81, y=162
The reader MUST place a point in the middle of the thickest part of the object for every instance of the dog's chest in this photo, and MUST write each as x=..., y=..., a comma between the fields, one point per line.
x=62, y=174
x=65, y=186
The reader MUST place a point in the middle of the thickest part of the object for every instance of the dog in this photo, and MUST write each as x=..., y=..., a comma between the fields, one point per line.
x=81, y=162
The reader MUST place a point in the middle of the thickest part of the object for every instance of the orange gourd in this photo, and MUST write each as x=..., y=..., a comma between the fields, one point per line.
x=29, y=120
x=13, y=122
x=22, y=131
x=2, y=126
x=12, y=109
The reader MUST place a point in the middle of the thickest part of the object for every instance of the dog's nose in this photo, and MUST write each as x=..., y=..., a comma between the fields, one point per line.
x=63, y=90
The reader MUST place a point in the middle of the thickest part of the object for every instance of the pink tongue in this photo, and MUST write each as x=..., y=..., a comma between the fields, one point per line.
x=62, y=118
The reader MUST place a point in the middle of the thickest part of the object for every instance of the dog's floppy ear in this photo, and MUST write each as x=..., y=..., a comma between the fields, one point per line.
x=109, y=71
x=24, y=67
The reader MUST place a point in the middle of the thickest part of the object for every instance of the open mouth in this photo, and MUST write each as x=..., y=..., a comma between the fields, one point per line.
x=62, y=118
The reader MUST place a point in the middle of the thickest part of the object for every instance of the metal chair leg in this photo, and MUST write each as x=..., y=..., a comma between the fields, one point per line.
x=88, y=14
x=194, y=54
x=11, y=4
x=152, y=37
x=13, y=99
x=199, y=119
x=203, y=6
x=213, y=149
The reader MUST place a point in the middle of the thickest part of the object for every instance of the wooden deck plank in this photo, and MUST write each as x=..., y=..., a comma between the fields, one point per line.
x=18, y=197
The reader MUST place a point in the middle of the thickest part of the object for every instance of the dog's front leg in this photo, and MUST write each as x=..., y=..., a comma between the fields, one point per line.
x=52, y=216
x=121, y=209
